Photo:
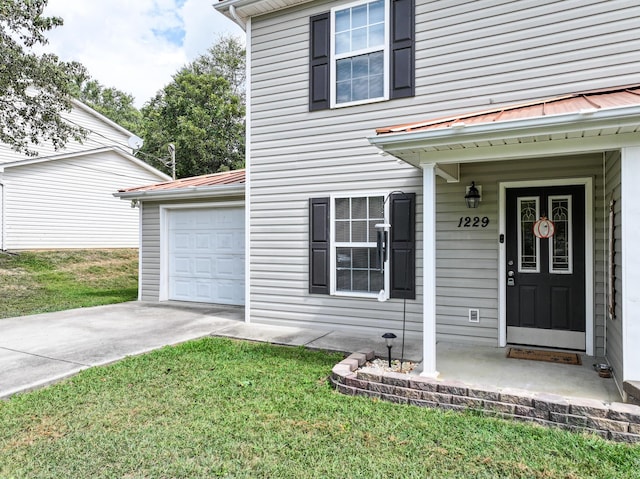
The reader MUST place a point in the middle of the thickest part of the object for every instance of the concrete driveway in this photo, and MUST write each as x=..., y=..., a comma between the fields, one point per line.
x=44, y=348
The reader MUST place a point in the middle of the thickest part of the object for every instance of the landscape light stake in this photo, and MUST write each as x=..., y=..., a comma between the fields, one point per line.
x=389, y=337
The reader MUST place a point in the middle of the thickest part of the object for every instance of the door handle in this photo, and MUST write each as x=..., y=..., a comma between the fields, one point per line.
x=511, y=280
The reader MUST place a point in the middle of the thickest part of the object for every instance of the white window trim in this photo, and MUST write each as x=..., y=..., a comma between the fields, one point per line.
x=333, y=245
x=333, y=57
x=569, y=238
x=520, y=269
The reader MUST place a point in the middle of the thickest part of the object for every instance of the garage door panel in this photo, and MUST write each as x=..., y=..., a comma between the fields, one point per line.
x=206, y=255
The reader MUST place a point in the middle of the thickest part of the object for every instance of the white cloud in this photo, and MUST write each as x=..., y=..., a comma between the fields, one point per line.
x=135, y=45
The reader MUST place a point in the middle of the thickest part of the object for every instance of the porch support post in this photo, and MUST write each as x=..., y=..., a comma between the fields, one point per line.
x=429, y=270
x=630, y=232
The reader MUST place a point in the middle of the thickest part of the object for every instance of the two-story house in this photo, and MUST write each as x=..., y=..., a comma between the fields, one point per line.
x=498, y=145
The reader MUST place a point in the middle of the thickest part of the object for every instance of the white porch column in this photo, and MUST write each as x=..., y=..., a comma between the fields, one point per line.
x=630, y=220
x=429, y=270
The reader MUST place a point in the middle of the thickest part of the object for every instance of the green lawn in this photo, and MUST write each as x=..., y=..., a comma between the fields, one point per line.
x=42, y=281
x=222, y=408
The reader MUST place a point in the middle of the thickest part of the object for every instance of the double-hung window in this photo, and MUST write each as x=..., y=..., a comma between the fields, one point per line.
x=357, y=270
x=359, y=53
x=362, y=52
x=343, y=252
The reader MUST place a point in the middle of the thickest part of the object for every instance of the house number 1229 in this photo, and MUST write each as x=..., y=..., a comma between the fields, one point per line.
x=475, y=222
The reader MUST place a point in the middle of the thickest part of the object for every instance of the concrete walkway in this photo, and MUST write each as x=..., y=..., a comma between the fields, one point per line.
x=42, y=349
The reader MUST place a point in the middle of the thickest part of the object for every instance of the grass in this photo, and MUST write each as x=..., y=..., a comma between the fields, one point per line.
x=222, y=408
x=42, y=281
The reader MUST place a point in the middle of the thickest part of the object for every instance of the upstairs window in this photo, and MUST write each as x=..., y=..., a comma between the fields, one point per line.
x=362, y=52
x=359, y=53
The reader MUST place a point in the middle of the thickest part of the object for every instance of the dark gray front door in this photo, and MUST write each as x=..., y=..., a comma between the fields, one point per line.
x=546, y=276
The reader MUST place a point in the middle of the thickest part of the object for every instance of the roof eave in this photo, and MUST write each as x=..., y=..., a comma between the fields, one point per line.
x=183, y=193
x=239, y=11
x=460, y=133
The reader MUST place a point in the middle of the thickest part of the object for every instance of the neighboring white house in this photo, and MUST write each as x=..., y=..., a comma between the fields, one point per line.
x=63, y=199
x=466, y=82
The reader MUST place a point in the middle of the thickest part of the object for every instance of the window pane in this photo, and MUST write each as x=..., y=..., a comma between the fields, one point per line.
x=344, y=70
x=342, y=231
x=342, y=208
x=373, y=232
x=528, y=241
x=343, y=42
x=343, y=20
x=561, y=246
x=360, y=89
x=359, y=231
x=376, y=63
x=360, y=258
x=359, y=208
x=376, y=12
x=376, y=35
x=376, y=207
x=344, y=258
x=343, y=93
x=360, y=66
x=361, y=281
x=359, y=16
x=376, y=86
x=343, y=280
x=359, y=39
x=377, y=281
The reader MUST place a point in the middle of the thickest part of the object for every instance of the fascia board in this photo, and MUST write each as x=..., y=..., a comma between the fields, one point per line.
x=184, y=193
x=551, y=125
x=77, y=154
x=101, y=117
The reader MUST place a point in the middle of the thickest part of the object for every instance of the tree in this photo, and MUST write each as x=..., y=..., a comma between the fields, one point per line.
x=202, y=117
x=201, y=112
x=113, y=103
x=226, y=58
x=34, y=89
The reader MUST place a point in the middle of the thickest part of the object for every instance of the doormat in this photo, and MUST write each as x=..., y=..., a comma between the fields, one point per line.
x=549, y=356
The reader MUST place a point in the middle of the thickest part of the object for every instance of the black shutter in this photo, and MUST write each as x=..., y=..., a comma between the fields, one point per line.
x=403, y=245
x=319, y=228
x=402, y=48
x=319, y=45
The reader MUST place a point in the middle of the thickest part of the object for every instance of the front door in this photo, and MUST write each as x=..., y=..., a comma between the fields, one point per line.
x=546, y=276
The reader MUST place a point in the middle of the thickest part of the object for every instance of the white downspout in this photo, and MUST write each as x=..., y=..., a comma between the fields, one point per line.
x=236, y=17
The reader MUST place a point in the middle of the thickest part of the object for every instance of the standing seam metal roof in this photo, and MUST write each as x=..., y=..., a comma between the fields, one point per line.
x=572, y=103
x=227, y=178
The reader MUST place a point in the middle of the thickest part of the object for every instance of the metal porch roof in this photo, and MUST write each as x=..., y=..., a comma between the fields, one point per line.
x=227, y=178
x=584, y=102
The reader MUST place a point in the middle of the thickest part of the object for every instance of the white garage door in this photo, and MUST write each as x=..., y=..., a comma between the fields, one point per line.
x=206, y=255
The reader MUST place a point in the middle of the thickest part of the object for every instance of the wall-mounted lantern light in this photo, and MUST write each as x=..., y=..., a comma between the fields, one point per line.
x=472, y=198
x=389, y=337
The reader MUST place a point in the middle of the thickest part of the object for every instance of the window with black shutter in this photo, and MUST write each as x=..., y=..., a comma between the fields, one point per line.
x=346, y=242
x=363, y=61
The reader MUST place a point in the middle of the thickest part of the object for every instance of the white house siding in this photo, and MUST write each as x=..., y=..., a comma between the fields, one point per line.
x=614, y=327
x=468, y=56
x=100, y=134
x=69, y=203
x=151, y=241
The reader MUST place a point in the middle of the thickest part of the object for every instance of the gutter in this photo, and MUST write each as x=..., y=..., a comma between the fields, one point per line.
x=183, y=193
x=460, y=132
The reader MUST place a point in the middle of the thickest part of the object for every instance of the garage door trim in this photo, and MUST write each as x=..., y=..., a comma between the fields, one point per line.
x=165, y=210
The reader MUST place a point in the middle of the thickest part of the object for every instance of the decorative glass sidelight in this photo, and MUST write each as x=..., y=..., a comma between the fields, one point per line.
x=528, y=244
x=560, y=257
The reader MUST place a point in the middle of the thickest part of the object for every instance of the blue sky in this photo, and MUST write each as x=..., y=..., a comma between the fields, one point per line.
x=135, y=45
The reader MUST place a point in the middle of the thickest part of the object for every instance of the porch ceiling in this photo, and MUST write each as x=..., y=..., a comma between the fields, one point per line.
x=579, y=122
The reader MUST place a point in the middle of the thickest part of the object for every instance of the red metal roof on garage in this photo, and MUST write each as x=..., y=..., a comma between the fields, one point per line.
x=226, y=178
x=573, y=103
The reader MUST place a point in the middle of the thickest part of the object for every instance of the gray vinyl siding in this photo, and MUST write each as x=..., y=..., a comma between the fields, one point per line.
x=614, y=327
x=151, y=242
x=149, y=283
x=469, y=56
